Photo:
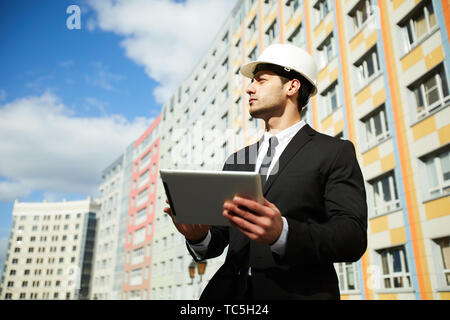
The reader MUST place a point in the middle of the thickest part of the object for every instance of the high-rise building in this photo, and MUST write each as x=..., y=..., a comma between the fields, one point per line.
x=141, y=214
x=383, y=84
x=110, y=238
x=50, y=251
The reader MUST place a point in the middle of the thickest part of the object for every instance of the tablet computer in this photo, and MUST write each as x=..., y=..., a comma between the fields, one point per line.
x=197, y=197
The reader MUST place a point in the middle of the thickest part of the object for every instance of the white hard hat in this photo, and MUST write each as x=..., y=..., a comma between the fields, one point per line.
x=289, y=57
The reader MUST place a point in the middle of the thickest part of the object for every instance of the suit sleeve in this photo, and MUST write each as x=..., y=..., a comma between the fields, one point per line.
x=343, y=236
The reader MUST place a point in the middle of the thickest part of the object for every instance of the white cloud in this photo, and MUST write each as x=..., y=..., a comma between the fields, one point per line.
x=102, y=77
x=10, y=191
x=167, y=38
x=45, y=146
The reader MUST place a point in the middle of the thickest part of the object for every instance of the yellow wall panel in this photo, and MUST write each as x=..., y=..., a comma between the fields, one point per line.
x=334, y=75
x=412, y=58
x=388, y=162
x=444, y=134
x=436, y=56
x=445, y=295
x=379, y=97
x=397, y=3
x=363, y=95
x=379, y=224
x=437, y=208
x=329, y=28
x=371, y=40
x=356, y=41
x=327, y=122
x=371, y=156
x=339, y=126
x=387, y=296
x=322, y=74
x=269, y=18
x=294, y=21
x=424, y=128
x=398, y=236
x=319, y=28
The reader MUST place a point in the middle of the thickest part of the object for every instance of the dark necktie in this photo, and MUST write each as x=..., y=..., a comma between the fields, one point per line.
x=264, y=169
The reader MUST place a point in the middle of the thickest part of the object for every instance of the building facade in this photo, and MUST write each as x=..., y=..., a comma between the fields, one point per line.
x=141, y=215
x=110, y=237
x=50, y=251
x=383, y=84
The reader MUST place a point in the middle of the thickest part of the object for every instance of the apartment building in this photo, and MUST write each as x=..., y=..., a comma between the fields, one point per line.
x=383, y=84
x=50, y=250
x=111, y=229
x=141, y=214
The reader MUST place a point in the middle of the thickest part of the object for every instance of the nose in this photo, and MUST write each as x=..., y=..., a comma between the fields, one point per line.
x=250, y=89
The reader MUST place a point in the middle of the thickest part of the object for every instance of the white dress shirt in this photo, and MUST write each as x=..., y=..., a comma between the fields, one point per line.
x=284, y=137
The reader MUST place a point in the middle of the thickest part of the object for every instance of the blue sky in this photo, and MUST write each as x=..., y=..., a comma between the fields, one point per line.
x=86, y=69
x=72, y=100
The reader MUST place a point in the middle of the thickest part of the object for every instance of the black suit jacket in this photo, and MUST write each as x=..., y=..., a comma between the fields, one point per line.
x=319, y=189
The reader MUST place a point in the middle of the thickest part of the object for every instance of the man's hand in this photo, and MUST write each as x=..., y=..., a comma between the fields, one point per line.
x=192, y=232
x=259, y=222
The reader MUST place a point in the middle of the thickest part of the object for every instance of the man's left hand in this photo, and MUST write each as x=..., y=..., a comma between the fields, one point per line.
x=259, y=222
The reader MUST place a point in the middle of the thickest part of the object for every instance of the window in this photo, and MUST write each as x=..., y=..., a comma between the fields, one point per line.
x=140, y=216
x=326, y=51
x=136, y=277
x=348, y=276
x=138, y=256
x=417, y=26
x=252, y=28
x=444, y=250
x=385, y=195
x=225, y=38
x=272, y=32
x=322, y=8
x=139, y=236
x=144, y=179
x=361, y=13
x=225, y=65
x=367, y=67
x=291, y=8
x=438, y=173
x=225, y=92
x=330, y=99
x=142, y=198
x=297, y=37
x=395, y=272
x=375, y=127
x=253, y=54
x=430, y=92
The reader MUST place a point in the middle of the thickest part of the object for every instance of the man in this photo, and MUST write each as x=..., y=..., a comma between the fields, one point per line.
x=314, y=212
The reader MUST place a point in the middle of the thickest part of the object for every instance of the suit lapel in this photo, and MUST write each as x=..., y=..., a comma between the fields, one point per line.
x=298, y=141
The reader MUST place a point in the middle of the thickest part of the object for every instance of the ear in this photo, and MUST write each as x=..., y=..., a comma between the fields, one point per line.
x=294, y=87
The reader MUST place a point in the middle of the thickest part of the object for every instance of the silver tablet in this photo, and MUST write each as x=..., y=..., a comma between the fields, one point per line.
x=197, y=197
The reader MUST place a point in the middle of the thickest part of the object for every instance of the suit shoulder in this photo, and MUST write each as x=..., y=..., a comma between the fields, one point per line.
x=332, y=143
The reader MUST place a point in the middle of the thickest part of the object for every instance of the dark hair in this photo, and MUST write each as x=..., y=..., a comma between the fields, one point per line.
x=306, y=87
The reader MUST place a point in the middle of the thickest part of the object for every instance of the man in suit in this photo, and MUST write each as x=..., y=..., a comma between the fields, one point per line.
x=314, y=212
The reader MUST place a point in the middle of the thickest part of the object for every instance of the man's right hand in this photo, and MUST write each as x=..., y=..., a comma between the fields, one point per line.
x=192, y=232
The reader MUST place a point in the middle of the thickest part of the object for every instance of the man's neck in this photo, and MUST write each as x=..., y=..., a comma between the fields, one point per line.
x=275, y=125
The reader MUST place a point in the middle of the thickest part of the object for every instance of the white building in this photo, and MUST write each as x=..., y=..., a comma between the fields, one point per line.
x=50, y=250
x=203, y=122
x=108, y=235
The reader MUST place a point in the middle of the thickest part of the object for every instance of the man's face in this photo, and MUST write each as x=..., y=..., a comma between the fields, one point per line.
x=266, y=95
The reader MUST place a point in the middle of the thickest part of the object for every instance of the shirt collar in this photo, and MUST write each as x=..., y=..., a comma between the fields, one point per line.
x=287, y=134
